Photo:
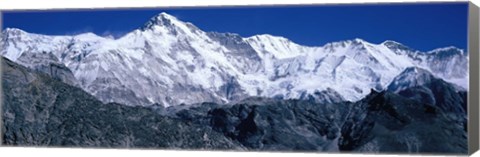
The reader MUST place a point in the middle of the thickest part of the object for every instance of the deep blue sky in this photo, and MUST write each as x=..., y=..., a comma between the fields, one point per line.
x=420, y=26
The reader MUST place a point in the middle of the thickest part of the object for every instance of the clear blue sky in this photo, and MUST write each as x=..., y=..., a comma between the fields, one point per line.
x=420, y=26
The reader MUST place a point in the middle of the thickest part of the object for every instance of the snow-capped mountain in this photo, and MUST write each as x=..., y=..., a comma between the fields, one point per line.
x=449, y=63
x=419, y=84
x=410, y=77
x=169, y=61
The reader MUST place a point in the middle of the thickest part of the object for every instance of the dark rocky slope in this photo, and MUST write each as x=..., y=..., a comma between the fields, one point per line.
x=381, y=122
x=40, y=111
x=387, y=122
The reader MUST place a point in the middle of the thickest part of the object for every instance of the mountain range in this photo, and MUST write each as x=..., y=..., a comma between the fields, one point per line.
x=171, y=62
x=169, y=84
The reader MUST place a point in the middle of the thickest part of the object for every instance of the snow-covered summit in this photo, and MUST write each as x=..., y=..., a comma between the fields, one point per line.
x=162, y=19
x=12, y=31
x=410, y=77
x=397, y=47
x=450, y=50
x=165, y=22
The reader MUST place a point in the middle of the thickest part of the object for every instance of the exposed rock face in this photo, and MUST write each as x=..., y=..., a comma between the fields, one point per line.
x=48, y=64
x=386, y=122
x=382, y=122
x=269, y=124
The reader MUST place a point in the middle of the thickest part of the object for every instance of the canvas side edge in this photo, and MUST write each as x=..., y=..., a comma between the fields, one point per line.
x=474, y=70
x=1, y=89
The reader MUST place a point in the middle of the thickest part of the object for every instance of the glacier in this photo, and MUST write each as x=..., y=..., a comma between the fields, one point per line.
x=171, y=62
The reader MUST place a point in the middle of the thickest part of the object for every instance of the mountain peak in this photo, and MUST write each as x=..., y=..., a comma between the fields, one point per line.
x=13, y=31
x=410, y=77
x=89, y=36
x=169, y=22
x=395, y=46
x=162, y=19
x=389, y=43
x=165, y=15
x=449, y=50
x=355, y=41
x=358, y=40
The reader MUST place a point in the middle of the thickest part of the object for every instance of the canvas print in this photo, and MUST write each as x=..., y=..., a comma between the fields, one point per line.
x=361, y=78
